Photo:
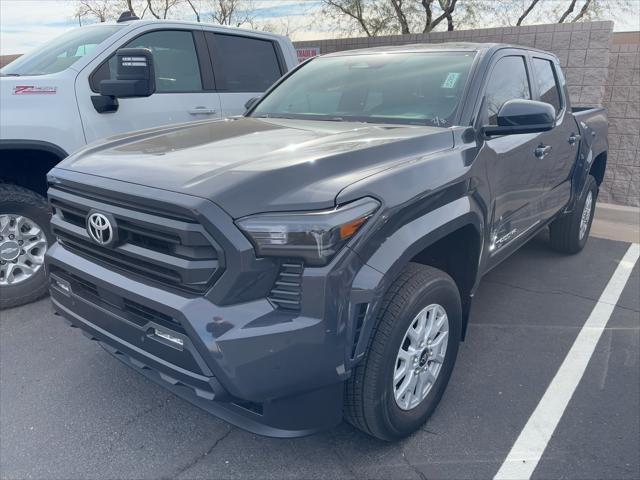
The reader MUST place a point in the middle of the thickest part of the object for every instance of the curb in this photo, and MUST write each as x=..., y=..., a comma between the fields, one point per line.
x=618, y=213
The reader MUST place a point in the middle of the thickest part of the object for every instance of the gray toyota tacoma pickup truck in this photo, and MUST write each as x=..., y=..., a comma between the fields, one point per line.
x=316, y=259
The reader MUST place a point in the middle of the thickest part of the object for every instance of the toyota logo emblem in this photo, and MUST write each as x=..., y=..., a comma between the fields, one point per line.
x=100, y=229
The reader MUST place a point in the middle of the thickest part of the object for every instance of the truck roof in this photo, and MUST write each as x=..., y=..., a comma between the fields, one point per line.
x=144, y=22
x=433, y=47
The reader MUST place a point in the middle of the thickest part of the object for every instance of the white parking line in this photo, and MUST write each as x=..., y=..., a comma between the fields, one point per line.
x=530, y=445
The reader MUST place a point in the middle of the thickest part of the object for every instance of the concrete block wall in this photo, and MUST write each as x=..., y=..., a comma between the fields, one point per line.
x=595, y=75
x=622, y=99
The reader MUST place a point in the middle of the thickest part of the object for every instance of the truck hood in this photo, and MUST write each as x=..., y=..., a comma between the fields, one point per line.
x=252, y=165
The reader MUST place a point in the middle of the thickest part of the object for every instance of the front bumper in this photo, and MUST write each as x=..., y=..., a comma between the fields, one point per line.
x=270, y=372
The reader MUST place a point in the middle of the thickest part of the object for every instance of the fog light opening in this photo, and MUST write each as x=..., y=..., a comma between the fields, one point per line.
x=62, y=285
x=168, y=337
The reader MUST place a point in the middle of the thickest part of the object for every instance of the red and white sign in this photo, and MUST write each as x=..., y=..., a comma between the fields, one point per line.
x=33, y=90
x=307, y=53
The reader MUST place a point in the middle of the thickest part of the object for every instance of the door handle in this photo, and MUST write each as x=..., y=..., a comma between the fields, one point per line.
x=202, y=111
x=542, y=151
x=574, y=138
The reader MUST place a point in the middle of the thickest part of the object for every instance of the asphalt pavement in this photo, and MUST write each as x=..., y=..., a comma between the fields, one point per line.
x=69, y=410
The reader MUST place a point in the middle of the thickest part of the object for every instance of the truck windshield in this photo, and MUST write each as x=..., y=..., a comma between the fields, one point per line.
x=421, y=88
x=60, y=53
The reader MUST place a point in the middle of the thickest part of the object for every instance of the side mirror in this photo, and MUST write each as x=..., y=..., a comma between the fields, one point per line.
x=135, y=75
x=522, y=116
x=251, y=102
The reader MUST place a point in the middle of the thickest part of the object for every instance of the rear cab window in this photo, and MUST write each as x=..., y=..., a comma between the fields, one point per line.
x=244, y=64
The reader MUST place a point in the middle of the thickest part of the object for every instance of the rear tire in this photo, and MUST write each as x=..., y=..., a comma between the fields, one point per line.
x=371, y=400
x=569, y=233
x=24, y=287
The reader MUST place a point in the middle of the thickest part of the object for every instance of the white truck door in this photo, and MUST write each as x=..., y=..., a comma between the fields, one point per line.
x=245, y=67
x=185, y=89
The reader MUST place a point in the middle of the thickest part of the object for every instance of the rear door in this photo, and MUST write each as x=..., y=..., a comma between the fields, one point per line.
x=244, y=68
x=185, y=88
x=562, y=141
x=516, y=177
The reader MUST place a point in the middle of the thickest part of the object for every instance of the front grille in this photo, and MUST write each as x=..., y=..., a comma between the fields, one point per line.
x=287, y=289
x=158, y=246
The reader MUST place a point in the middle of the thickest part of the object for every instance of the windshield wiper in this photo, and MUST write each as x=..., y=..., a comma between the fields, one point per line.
x=10, y=74
x=269, y=115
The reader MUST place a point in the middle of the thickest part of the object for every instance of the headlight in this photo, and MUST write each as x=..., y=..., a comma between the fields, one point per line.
x=314, y=236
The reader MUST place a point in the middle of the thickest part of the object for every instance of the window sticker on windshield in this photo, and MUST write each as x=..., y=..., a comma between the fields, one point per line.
x=451, y=80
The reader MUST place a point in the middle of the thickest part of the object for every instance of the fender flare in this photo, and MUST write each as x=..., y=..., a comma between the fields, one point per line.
x=588, y=152
x=374, y=279
x=36, y=145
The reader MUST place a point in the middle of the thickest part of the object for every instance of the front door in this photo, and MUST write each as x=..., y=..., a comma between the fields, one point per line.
x=179, y=97
x=516, y=176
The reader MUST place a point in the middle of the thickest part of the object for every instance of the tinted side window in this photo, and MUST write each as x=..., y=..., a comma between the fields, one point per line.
x=547, y=83
x=508, y=80
x=175, y=61
x=247, y=64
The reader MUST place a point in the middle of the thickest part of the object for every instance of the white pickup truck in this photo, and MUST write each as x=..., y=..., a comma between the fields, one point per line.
x=53, y=104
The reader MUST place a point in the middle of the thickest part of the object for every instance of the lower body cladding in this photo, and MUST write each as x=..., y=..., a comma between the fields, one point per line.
x=271, y=372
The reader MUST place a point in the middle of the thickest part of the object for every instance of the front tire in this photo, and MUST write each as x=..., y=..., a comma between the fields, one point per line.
x=24, y=237
x=399, y=383
x=569, y=233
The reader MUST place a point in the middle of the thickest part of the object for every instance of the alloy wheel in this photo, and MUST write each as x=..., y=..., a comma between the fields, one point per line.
x=420, y=357
x=22, y=248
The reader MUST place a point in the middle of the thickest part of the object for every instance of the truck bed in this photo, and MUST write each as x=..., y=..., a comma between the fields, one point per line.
x=594, y=126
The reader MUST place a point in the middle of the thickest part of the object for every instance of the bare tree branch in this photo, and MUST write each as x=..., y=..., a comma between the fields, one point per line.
x=447, y=6
x=233, y=12
x=195, y=10
x=426, y=4
x=568, y=11
x=351, y=9
x=527, y=12
x=582, y=11
x=402, y=17
x=130, y=7
x=160, y=8
x=150, y=7
x=101, y=10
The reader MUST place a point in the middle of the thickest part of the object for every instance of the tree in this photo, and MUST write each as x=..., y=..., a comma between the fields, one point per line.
x=382, y=17
x=568, y=11
x=401, y=16
x=514, y=12
x=446, y=6
x=107, y=10
x=526, y=12
x=160, y=8
x=195, y=10
x=583, y=11
x=371, y=17
x=101, y=10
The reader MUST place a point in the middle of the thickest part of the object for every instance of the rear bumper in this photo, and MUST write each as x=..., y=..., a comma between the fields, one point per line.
x=269, y=372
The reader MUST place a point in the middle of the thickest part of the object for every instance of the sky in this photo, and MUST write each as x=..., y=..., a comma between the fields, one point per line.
x=25, y=24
